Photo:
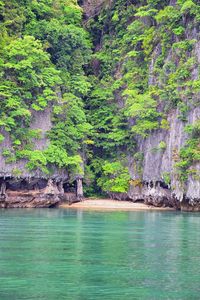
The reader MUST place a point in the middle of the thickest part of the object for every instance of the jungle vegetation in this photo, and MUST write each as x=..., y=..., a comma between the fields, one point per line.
x=97, y=78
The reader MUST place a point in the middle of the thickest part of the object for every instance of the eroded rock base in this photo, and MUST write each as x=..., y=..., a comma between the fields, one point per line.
x=35, y=193
x=191, y=205
x=157, y=194
x=29, y=199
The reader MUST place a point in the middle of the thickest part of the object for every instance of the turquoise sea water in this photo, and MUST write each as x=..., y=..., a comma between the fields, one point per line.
x=72, y=254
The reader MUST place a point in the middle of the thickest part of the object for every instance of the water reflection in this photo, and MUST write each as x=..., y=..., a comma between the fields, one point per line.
x=73, y=254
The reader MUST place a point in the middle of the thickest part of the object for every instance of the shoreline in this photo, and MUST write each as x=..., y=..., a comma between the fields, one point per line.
x=113, y=205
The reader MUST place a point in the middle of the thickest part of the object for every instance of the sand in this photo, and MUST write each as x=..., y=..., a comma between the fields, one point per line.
x=108, y=204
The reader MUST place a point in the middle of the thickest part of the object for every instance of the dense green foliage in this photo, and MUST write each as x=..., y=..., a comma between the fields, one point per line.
x=106, y=84
x=190, y=153
x=144, y=63
x=43, y=51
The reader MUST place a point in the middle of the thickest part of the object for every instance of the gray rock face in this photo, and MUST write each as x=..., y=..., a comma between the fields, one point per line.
x=159, y=162
x=93, y=7
x=42, y=121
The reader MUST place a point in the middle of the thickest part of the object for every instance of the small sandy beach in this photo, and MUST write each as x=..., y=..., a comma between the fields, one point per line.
x=108, y=204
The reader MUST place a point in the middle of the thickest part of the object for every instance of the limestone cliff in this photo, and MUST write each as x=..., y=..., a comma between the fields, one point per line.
x=43, y=50
x=158, y=163
x=92, y=8
x=108, y=93
x=145, y=48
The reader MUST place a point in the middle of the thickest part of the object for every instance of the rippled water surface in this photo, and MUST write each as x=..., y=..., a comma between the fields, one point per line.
x=72, y=254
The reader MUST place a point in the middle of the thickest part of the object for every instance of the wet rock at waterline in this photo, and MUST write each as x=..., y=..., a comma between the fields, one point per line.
x=34, y=193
